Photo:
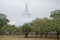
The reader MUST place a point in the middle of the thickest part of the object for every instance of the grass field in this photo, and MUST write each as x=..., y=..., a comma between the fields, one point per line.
x=21, y=38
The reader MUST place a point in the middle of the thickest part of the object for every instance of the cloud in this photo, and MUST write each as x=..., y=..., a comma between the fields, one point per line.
x=12, y=23
x=38, y=9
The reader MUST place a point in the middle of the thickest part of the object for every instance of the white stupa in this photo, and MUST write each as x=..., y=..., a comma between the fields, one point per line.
x=26, y=16
x=26, y=13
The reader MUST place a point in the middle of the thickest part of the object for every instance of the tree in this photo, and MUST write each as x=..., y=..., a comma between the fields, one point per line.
x=56, y=21
x=8, y=29
x=12, y=29
x=26, y=29
x=55, y=14
x=5, y=29
x=42, y=26
x=37, y=27
x=3, y=21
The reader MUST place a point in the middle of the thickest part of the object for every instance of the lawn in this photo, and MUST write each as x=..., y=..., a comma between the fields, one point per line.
x=21, y=38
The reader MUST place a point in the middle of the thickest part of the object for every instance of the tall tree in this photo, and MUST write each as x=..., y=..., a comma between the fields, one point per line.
x=55, y=14
x=3, y=20
x=26, y=29
x=56, y=21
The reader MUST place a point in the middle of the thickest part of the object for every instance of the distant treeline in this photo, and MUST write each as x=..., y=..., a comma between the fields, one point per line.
x=39, y=26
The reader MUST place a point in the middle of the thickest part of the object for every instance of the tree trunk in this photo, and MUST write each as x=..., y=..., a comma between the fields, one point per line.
x=36, y=34
x=41, y=34
x=46, y=34
x=26, y=34
x=57, y=35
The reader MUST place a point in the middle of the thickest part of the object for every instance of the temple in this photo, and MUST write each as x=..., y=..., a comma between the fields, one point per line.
x=26, y=13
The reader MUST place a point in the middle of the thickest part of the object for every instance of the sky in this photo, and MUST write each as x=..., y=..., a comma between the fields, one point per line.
x=37, y=8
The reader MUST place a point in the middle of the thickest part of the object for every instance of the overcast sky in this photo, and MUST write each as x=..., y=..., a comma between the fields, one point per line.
x=37, y=8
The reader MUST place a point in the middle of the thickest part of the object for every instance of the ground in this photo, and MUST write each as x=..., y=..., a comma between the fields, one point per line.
x=21, y=38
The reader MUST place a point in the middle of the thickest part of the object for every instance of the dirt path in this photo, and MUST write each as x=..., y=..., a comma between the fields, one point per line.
x=18, y=38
